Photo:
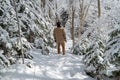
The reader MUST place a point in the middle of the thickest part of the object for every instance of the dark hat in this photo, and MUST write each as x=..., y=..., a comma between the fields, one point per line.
x=58, y=24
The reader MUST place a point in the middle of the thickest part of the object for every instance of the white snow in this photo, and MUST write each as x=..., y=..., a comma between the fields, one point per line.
x=49, y=67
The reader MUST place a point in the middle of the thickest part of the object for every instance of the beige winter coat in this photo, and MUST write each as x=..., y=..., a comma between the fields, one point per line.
x=59, y=34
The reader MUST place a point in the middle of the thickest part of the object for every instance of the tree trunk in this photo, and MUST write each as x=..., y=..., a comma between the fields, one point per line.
x=82, y=15
x=49, y=12
x=43, y=3
x=57, y=18
x=19, y=30
x=99, y=10
x=72, y=28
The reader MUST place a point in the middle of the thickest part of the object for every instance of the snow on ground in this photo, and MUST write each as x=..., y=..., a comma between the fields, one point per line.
x=49, y=67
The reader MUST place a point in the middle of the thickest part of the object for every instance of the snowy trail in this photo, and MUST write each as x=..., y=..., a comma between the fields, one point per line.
x=51, y=67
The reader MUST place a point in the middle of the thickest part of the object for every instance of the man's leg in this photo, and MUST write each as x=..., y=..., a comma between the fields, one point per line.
x=63, y=47
x=58, y=48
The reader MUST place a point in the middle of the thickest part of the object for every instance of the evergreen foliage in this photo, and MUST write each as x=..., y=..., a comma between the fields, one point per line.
x=112, y=54
x=34, y=30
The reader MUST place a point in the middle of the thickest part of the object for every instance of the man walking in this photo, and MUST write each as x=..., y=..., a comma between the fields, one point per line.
x=60, y=37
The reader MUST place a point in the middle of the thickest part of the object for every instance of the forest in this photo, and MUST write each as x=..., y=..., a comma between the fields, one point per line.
x=28, y=48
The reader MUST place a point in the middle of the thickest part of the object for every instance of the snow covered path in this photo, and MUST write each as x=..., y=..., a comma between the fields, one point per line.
x=51, y=67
